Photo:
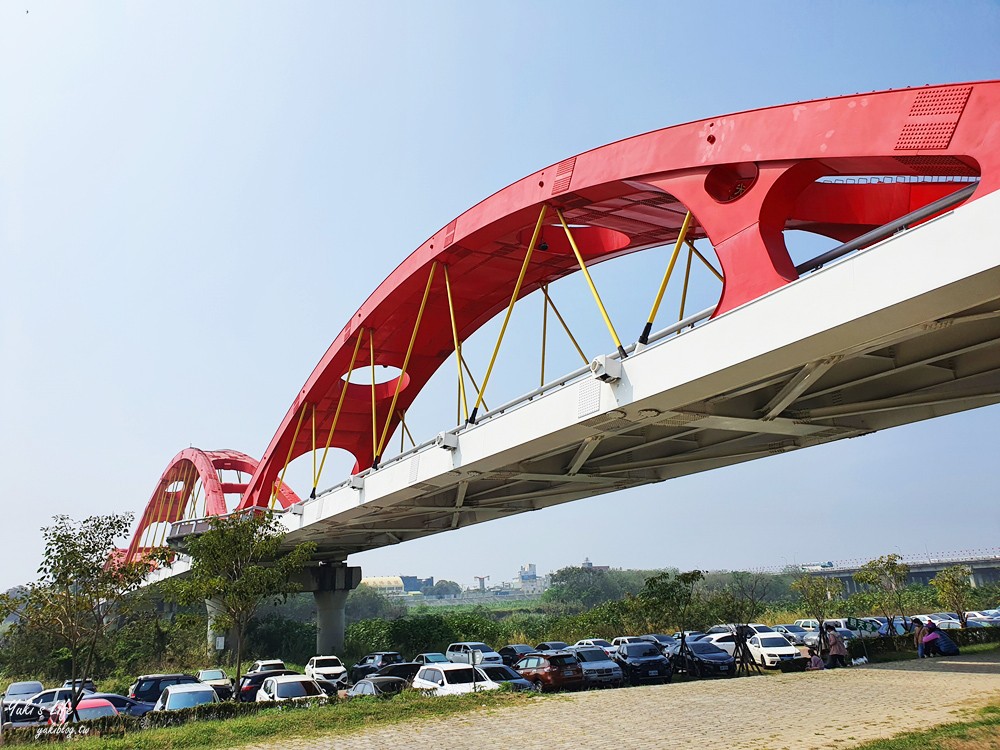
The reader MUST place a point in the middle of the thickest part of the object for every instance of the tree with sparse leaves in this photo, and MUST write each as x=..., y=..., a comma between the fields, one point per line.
x=954, y=589
x=238, y=564
x=819, y=597
x=84, y=586
x=886, y=578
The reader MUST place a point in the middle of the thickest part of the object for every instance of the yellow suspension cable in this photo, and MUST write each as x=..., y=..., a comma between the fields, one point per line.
x=565, y=327
x=704, y=260
x=458, y=347
x=644, y=338
x=402, y=420
x=194, y=500
x=314, y=443
x=406, y=361
x=166, y=511
x=590, y=283
x=336, y=414
x=371, y=354
x=545, y=322
x=472, y=379
x=281, y=479
x=510, y=309
x=687, y=278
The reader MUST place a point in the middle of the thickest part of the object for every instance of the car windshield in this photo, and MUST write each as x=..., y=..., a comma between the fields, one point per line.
x=563, y=660
x=774, y=643
x=479, y=647
x=190, y=699
x=601, y=642
x=86, y=714
x=794, y=628
x=642, y=649
x=591, y=654
x=461, y=676
x=435, y=658
x=213, y=674
x=500, y=673
x=298, y=689
x=702, y=647
x=24, y=688
x=333, y=661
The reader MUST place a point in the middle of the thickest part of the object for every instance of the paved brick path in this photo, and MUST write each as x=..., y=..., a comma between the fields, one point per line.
x=835, y=709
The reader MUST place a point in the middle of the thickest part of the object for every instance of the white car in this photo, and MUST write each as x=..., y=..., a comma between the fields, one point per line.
x=725, y=641
x=462, y=653
x=608, y=647
x=452, y=679
x=615, y=643
x=48, y=698
x=186, y=695
x=327, y=668
x=266, y=665
x=769, y=649
x=288, y=687
x=807, y=624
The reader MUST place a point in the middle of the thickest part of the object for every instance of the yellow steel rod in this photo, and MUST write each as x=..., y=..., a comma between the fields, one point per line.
x=402, y=420
x=406, y=361
x=687, y=278
x=166, y=523
x=371, y=354
x=510, y=309
x=644, y=338
x=291, y=447
x=458, y=345
x=565, y=327
x=590, y=283
x=472, y=378
x=545, y=322
x=314, y=443
x=704, y=260
x=336, y=414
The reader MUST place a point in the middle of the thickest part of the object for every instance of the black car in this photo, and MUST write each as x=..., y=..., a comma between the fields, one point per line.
x=250, y=683
x=665, y=643
x=329, y=689
x=551, y=646
x=643, y=662
x=383, y=687
x=147, y=687
x=512, y=654
x=373, y=663
x=405, y=669
x=122, y=704
x=704, y=659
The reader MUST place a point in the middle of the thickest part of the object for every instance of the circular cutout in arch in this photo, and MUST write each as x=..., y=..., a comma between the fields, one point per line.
x=726, y=183
x=386, y=376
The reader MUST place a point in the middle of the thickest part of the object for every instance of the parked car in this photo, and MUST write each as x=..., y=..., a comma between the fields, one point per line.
x=665, y=642
x=22, y=714
x=147, y=688
x=688, y=635
x=551, y=646
x=123, y=704
x=643, y=662
x=812, y=638
x=87, y=684
x=22, y=691
x=266, y=665
x=770, y=649
x=461, y=653
x=703, y=659
x=616, y=642
x=808, y=624
x=431, y=657
x=452, y=679
x=552, y=670
x=608, y=647
x=288, y=687
x=86, y=710
x=404, y=669
x=222, y=683
x=512, y=653
x=501, y=674
x=185, y=695
x=373, y=662
x=382, y=687
x=250, y=683
x=599, y=670
x=330, y=689
x=794, y=633
x=327, y=668
x=48, y=698
x=730, y=627
x=725, y=641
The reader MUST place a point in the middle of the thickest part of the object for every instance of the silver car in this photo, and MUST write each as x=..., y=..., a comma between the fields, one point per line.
x=598, y=669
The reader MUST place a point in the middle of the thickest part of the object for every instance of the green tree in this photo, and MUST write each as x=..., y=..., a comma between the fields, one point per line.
x=442, y=588
x=820, y=596
x=367, y=603
x=885, y=578
x=672, y=598
x=954, y=589
x=578, y=589
x=83, y=588
x=239, y=564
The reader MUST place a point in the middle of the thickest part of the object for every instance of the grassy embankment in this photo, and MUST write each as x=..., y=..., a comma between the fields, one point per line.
x=981, y=732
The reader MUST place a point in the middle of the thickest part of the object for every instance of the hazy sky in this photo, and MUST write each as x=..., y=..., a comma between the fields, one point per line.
x=194, y=198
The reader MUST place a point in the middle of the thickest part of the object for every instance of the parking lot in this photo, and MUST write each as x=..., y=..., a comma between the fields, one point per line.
x=837, y=708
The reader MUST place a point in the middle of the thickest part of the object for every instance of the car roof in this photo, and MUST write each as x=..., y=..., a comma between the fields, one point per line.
x=450, y=666
x=328, y=656
x=160, y=676
x=384, y=678
x=90, y=702
x=281, y=678
x=191, y=687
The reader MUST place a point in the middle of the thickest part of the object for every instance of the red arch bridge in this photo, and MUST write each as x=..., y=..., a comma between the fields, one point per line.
x=899, y=322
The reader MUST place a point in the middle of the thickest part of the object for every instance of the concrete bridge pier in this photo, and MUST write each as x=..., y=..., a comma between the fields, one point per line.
x=213, y=607
x=330, y=584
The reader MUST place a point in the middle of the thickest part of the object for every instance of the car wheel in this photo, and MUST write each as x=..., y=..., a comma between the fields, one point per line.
x=695, y=670
x=537, y=686
x=763, y=662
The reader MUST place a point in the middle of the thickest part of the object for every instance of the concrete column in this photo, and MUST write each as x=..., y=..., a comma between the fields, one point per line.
x=214, y=608
x=330, y=621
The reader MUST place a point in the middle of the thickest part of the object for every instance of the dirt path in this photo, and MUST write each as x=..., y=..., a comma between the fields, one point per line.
x=775, y=712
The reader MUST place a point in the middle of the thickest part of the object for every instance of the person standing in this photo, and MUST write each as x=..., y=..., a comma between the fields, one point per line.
x=838, y=652
x=918, y=636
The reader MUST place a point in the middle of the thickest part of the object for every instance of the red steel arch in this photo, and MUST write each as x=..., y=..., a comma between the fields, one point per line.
x=174, y=490
x=745, y=177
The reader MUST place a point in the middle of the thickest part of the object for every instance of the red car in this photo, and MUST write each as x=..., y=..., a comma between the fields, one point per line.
x=551, y=670
x=86, y=709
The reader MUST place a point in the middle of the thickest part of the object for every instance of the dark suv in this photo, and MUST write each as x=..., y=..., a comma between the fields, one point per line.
x=147, y=687
x=643, y=662
x=373, y=663
x=551, y=670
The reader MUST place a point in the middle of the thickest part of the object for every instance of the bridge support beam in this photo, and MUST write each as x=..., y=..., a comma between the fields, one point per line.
x=330, y=584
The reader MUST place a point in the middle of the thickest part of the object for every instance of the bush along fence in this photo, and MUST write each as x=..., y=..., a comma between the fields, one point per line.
x=119, y=726
x=901, y=643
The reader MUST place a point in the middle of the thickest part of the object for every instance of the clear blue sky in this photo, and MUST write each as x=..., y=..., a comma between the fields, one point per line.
x=194, y=198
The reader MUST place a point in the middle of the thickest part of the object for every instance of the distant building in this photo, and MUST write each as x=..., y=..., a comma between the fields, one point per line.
x=413, y=584
x=588, y=565
x=388, y=585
